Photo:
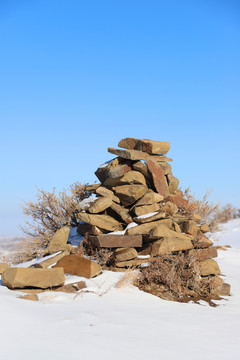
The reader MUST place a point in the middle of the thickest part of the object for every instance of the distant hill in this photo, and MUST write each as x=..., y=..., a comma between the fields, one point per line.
x=8, y=243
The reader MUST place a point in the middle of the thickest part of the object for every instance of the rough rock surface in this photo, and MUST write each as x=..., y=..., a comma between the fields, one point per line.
x=77, y=265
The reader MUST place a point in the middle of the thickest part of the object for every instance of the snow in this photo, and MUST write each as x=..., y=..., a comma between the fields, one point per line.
x=106, y=322
x=145, y=216
x=122, y=232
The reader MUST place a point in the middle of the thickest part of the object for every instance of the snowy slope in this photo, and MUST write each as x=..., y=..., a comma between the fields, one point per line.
x=124, y=323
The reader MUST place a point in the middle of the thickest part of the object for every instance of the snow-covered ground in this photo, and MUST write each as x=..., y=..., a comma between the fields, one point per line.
x=109, y=322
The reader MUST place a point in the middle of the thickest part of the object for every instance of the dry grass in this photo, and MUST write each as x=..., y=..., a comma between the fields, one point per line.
x=175, y=277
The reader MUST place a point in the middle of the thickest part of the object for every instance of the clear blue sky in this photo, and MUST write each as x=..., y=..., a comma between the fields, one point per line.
x=77, y=76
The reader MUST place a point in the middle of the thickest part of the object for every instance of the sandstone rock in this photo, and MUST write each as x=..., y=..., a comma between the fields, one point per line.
x=139, y=166
x=103, y=221
x=181, y=203
x=202, y=241
x=72, y=288
x=158, y=216
x=146, y=209
x=129, y=194
x=100, y=205
x=122, y=213
x=166, y=168
x=145, y=228
x=77, y=265
x=195, y=217
x=53, y=250
x=115, y=241
x=222, y=290
x=103, y=170
x=203, y=254
x=204, y=228
x=176, y=227
x=209, y=267
x=85, y=229
x=133, y=177
x=161, y=231
x=116, y=174
x=170, y=244
x=17, y=278
x=152, y=146
x=46, y=263
x=107, y=193
x=159, y=178
x=149, y=198
x=131, y=263
x=190, y=227
x=125, y=254
x=129, y=154
x=3, y=267
x=32, y=297
x=92, y=187
x=170, y=208
x=173, y=183
x=59, y=239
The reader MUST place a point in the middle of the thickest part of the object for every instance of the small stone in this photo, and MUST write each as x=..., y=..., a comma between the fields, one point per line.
x=204, y=228
x=107, y=193
x=202, y=241
x=100, y=205
x=146, y=209
x=158, y=216
x=72, y=288
x=133, y=177
x=59, y=239
x=46, y=263
x=173, y=183
x=209, y=267
x=176, y=227
x=139, y=166
x=125, y=254
x=190, y=227
x=77, y=265
x=203, y=254
x=149, y=198
x=122, y=213
x=170, y=208
x=129, y=154
x=222, y=290
x=32, y=297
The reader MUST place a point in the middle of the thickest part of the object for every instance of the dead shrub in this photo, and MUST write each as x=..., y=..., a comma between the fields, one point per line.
x=103, y=256
x=175, y=277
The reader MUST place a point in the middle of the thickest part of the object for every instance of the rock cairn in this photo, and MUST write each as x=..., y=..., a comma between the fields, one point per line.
x=139, y=211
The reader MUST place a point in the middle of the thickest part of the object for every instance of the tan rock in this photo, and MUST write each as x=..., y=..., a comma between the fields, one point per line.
x=195, y=217
x=107, y=193
x=102, y=221
x=116, y=174
x=129, y=194
x=168, y=245
x=173, y=183
x=131, y=263
x=190, y=227
x=92, y=187
x=103, y=170
x=166, y=168
x=3, y=267
x=133, y=177
x=146, y=209
x=59, y=239
x=176, y=227
x=100, y=205
x=202, y=241
x=122, y=213
x=159, y=179
x=32, y=297
x=129, y=154
x=17, y=278
x=77, y=265
x=222, y=290
x=46, y=263
x=72, y=288
x=53, y=250
x=158, y=216
x=161, y=231
x=139, y=166
x=170, y=208
x=203, y=254
x=146, y=145
x=209, y=267
x=149, y=198
x=115, y=241
x=128, y=143
x=181, y=203
x=204, y=228
x=145, y=228
x=125, y=254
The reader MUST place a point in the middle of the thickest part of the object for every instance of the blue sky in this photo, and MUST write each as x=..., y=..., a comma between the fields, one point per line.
x=77, y=76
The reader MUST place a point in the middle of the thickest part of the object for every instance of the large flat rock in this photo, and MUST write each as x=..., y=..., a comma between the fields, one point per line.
x=100, y=204
x=168, y=245
x=146, y=145
x=102, y=221
x=129, y=194
x=59, y=239
x=77, y=265
x=116, y=241
x=17, y=278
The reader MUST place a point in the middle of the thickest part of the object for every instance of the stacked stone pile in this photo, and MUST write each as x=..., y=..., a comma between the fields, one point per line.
x=139, y=212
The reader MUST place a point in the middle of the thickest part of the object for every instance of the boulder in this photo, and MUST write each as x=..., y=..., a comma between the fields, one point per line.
x=107, y=193
x=146, y=145
x=146, y=209
x=159, y=179
x=59, y=239
x=168, y=245
x=133, y=177
x=17, y=278
x=100, y=205
x=3, y=267
x=129, y=194
x=209, y=267
x=149, y=198
x=125, y=254
x=173, y=183
x=102, y=221
x=103, y=170
x=222, y=290
x=77, y=265
x=116, y=241
x=116, y=174
x=144, y=229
